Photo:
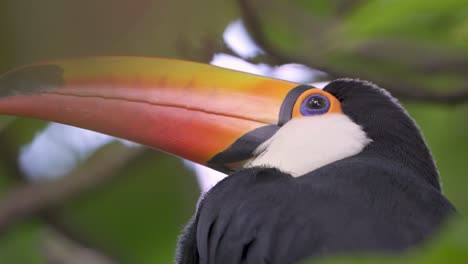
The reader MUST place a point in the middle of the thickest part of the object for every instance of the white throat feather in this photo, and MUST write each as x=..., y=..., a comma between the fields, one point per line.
x=307, y=143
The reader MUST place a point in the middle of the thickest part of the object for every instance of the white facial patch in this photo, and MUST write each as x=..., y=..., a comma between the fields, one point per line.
x=307, y=143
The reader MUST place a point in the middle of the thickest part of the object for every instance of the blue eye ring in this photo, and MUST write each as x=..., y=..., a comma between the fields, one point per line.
x=315, y=104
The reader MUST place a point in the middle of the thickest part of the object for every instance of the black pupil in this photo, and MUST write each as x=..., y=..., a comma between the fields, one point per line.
x=316, y=102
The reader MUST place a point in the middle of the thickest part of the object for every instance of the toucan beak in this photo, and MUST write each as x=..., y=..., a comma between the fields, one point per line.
x=203, y=113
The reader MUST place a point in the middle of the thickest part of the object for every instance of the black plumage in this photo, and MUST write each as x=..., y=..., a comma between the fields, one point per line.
x=387, y=198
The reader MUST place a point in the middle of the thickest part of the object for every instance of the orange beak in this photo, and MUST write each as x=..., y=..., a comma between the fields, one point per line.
x=206, y=114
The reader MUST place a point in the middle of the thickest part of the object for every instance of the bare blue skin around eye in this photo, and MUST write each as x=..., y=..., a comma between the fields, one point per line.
x=306, y=111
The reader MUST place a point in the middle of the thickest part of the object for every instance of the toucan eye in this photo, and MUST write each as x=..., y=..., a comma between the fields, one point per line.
x=314, y=101
x=315, y=104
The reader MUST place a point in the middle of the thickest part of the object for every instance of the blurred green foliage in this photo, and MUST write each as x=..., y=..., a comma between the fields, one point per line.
x=420, y=44
x=21, y=244
x=410, y=44
x=446, y=132
x=450, y=247
x=137, y=216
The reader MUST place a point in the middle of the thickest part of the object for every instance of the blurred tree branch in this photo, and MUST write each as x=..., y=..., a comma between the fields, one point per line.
x=415, y=57
x=29, y=199
x=58, y=248
x=401, y=90
x=26, y=199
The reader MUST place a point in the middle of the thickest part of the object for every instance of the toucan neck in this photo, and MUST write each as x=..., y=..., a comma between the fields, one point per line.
x=404, y=145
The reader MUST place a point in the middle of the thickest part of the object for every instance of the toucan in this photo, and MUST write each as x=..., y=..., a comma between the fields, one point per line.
x=312, y=172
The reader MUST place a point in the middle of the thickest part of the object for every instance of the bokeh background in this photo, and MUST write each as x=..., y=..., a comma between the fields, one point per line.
x=113, y=202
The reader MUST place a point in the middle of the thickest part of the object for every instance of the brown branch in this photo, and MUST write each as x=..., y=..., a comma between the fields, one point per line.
x=412, y=55
x=80, y=240
x=29, y=199
x=346, y=7
x=58, y=247
x=418, y=94
x=400, y=90
x=39, y=200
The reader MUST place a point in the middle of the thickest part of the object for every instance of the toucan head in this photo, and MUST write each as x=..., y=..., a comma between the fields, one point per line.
x=225, y=119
